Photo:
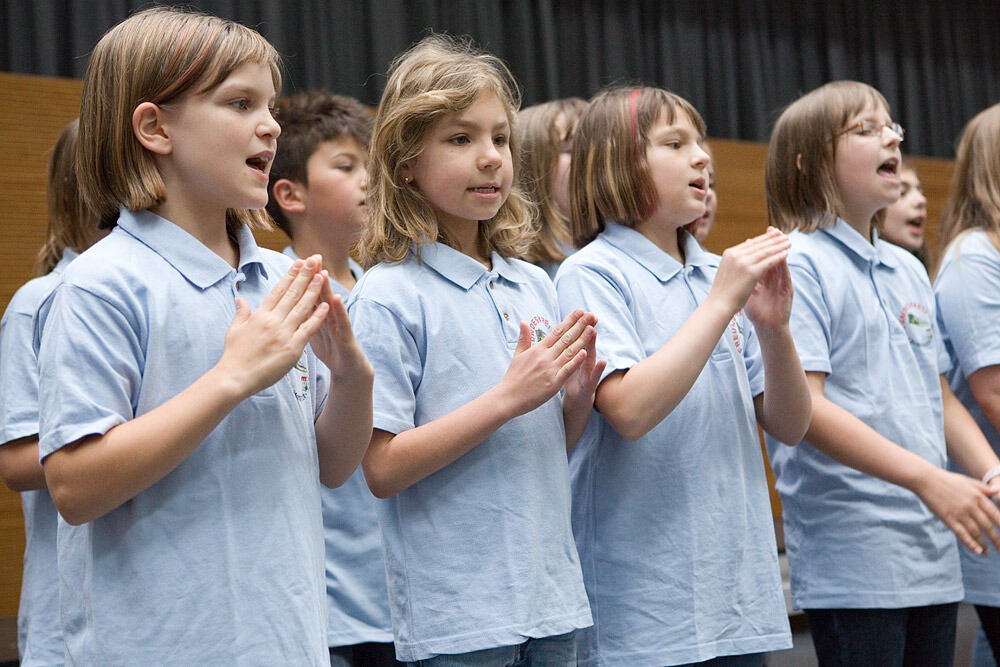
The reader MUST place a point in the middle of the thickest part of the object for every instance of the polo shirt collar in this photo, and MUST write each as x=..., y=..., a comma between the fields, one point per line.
x=648, y=255
x=463, y=270
x=189, y=256
x=851, y=239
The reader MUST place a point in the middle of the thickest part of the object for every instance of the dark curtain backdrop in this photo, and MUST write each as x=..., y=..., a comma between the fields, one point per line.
x=738, y=62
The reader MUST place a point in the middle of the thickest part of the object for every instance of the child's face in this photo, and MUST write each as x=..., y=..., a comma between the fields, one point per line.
x=464, y=168
x=678, y=167
x=222, y=143
x=904, y=220
x=559, y=186
x=866, y=168
x=334, y=195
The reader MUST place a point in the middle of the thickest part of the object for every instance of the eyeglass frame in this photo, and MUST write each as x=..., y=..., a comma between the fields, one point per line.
x=867, y=129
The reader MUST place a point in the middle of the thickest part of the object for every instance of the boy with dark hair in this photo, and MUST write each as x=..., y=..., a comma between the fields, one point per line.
x=317, y=197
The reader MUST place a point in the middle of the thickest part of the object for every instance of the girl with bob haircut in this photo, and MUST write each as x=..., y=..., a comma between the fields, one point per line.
x=873, y=567
x=184, y=436
x=968, y=301
x=670, y=505
x=72, y=229
x=468, y=452
x=545, y=135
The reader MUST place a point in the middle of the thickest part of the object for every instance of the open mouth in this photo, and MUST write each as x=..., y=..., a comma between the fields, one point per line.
x=889, y=168
x=916, y=224
x=486, y=189
x=698, y=184
x=261, y=162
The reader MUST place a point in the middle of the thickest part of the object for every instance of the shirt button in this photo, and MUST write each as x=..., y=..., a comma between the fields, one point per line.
x=506, y=316
x=491, y=284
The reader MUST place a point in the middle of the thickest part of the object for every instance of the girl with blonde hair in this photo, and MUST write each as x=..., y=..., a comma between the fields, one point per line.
x=469, y=447
x=968, y=300
x=545, y=137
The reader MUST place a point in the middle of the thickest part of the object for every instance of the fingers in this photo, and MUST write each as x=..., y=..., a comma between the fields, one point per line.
x=557, y=333
x=524, y=339
x=965, y=538
x=242, y=311
x=299, y=288
x=272, y=298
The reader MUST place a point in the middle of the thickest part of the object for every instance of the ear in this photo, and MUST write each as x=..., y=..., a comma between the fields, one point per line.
x=289, y=195
x=406, y=172
x=798, y=162
x=148, y=127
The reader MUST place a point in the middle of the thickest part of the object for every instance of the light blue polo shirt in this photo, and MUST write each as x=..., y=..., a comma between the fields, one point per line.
x=968, y=301
x=357, y=601
x=479, y=554
x=39, y=639
x=674, y=530
x=221, y=561
x=865, y=315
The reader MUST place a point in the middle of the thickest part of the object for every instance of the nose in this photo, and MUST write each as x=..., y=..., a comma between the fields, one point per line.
x=921, y=200
x=490, y=158
x=699, y=158
x=364, y=178
x=268, y=125
x=890, y=137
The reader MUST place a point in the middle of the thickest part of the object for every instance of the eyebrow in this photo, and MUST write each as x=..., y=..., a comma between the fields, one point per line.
x=466, y=124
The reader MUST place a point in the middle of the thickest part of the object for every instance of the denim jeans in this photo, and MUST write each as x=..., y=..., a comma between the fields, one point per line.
x=370, y=654
x=556, y=651
x=910, y=637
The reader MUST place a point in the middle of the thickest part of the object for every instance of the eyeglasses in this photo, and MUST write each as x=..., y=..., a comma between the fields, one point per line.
x=873, y=128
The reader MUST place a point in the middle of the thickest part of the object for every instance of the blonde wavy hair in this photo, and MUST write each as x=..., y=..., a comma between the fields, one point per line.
x=440, y=75
x=609, y=175
x=799, y=170
x=974, y=194
x=541, y=143
x=157, y=55
x=71, y=223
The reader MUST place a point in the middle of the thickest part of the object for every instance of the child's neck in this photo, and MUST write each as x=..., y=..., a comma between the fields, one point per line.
x=466, y=238
x=861, y=223
x=665, y=238
x=211, y=230
x=336, y=256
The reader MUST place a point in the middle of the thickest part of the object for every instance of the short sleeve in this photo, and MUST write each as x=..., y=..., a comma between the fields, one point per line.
x=18, y=379
x=394, y=355
x=90, y=368
x=968, y=303
x=810, y=320
x=618, y=340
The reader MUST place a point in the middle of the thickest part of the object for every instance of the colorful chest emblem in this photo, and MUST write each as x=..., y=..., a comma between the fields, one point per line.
x=916, y=321
x=540, y=327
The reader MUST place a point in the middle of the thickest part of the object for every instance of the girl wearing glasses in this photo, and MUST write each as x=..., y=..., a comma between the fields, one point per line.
x=868, y=503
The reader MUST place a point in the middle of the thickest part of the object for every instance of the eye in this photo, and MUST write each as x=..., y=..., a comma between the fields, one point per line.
x=459, y=140
x=346, y=167
x=241, y=104
x=500, y=140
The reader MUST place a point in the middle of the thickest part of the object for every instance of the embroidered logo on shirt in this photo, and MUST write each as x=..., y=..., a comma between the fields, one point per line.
x=735, y=332
x=299, y=376
x=540, y=326
x=916, y=321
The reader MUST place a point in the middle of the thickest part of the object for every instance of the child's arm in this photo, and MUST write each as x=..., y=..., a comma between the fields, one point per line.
x=394, y=462
x=985, y=386
x=130, y=457
x=578, y=397
x=635, y=400
x=783, y=410
x=967, y=446
x=962, y=503
x=19, y=466
x=344, y=428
